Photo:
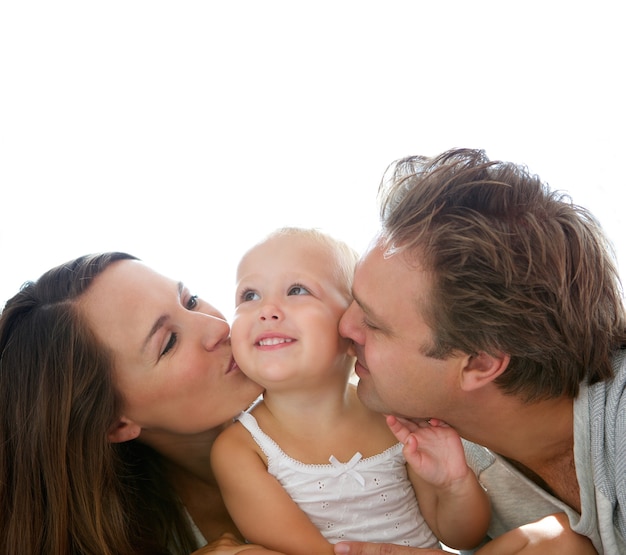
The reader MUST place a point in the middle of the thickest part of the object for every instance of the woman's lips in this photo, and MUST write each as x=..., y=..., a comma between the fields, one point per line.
x=232, y=366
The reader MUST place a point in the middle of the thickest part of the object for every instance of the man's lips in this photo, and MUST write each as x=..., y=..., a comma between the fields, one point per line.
x=360, y=369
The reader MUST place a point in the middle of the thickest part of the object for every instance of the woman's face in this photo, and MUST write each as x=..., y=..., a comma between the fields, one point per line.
x=172, y=357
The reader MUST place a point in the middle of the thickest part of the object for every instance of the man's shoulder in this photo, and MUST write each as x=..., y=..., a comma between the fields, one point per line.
x=478, y=457
x=610, y=395
x=619, y=364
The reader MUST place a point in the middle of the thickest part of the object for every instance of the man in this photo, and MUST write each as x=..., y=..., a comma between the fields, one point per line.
x=493, y=304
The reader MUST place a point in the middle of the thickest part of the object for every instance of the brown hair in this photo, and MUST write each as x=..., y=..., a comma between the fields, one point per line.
x=516, y=268
x=64, y=488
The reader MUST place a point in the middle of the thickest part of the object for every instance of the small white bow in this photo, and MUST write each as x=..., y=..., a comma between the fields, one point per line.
x=348, y=468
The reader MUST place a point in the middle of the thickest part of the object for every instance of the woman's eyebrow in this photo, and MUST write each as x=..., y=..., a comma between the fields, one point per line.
x=157, y=325
x=161, y=319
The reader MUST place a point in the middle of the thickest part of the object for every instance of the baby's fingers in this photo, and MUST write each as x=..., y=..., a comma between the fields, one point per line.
x=435, y=422
x=398, y=428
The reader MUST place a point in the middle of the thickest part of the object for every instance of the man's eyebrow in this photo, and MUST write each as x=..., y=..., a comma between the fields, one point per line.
x=161, y=319
x=361, y=304
x=371, y=315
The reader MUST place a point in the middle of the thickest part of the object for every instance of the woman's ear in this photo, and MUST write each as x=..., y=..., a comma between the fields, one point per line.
x=483, y=369
x=123, y=430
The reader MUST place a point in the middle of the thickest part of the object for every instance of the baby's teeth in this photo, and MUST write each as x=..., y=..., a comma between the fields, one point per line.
x=273, y=341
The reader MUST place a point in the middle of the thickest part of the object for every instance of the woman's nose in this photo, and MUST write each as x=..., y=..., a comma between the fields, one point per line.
x=215, y=332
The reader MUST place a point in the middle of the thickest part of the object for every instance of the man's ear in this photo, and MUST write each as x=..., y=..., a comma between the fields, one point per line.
x=482, y=369
x=123, y=430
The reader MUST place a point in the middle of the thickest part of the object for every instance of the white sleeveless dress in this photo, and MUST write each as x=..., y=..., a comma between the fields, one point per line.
x=362, y=499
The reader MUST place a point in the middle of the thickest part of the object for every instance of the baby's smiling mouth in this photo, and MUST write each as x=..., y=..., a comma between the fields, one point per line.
x=273, y=341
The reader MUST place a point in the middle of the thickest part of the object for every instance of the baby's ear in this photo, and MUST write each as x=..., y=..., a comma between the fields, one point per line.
x=483, y=369
x=123, y=430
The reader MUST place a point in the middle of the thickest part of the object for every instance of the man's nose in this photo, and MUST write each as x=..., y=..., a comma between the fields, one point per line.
x=347, y=328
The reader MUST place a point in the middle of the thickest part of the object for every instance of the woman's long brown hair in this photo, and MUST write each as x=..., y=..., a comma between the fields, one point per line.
x=64, y=488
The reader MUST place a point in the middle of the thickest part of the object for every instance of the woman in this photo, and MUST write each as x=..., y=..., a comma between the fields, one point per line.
x=114, y=382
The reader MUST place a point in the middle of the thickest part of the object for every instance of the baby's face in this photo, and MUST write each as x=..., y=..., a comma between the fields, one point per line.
x=288, y=306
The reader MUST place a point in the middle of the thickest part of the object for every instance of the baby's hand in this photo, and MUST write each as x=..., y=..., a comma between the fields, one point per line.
x=402, y=428
x=432, y=449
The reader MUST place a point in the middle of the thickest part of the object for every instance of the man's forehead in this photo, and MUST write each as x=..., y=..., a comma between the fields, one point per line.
x=384, y=273
x=373, y=255
x=367, y=278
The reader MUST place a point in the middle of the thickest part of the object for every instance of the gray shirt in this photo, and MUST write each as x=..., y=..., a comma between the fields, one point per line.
x=600, y=459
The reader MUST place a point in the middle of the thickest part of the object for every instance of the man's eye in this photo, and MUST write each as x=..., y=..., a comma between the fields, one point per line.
x=249, y=295
x=369, y=325
x=298, y=290
x=192, y=302
x=170, y=343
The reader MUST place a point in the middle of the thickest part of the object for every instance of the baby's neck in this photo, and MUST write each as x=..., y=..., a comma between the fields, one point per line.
x=320, y=402
x=314, y=428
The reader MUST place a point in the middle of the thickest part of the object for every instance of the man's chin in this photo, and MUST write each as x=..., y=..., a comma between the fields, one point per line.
x=368, y=396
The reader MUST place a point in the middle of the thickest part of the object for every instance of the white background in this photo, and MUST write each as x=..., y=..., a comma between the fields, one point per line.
x=183, y=131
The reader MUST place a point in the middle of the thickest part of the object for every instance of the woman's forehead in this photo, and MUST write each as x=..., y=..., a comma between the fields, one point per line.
x=128, y=277
x=125, y=298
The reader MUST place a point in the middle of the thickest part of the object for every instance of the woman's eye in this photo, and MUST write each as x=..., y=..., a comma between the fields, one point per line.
x=170, y=344
x=192, y=302
x=250, y=296
x=298, y=290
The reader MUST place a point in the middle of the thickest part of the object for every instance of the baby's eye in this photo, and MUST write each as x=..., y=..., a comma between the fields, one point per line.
x=298, y=290
x=249, y=295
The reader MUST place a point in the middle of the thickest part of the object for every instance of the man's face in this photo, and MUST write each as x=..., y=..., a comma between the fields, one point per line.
x=391, y=336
